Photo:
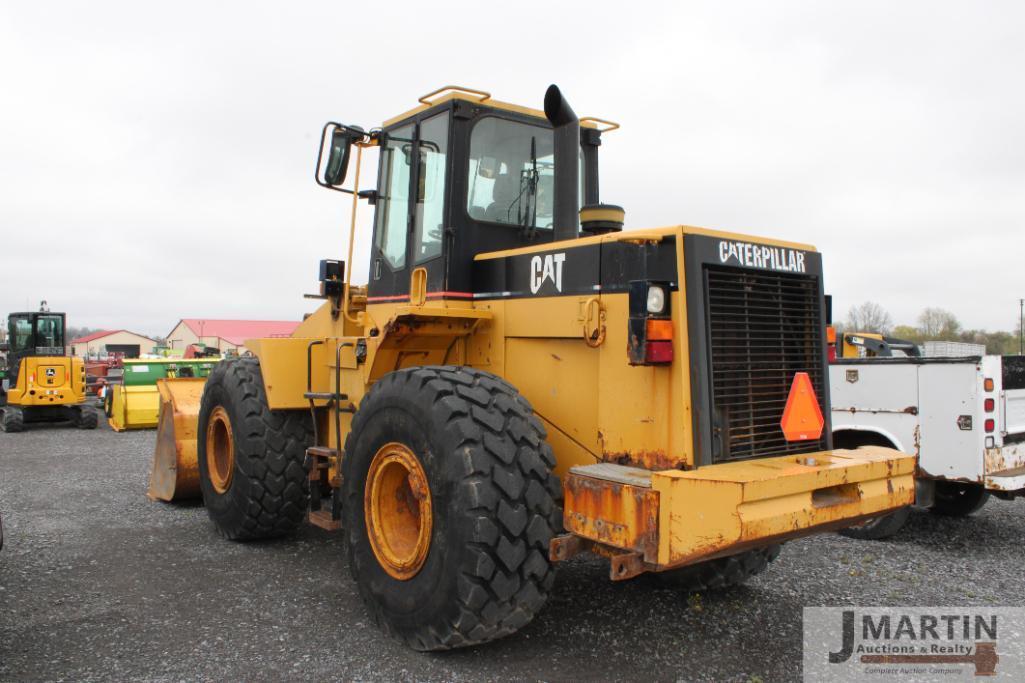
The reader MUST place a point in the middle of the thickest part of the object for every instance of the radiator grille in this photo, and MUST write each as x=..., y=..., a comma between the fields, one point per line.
x=763, y=328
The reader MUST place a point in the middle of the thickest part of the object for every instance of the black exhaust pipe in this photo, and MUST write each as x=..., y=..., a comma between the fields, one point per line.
x=566, y=127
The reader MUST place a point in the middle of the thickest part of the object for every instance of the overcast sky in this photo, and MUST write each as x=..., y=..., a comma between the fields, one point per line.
x=156, y=159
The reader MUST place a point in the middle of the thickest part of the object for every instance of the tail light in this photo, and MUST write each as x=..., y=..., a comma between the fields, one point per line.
x=989, y=404
x=987, y=384
x=650, y=333
x=990, y=424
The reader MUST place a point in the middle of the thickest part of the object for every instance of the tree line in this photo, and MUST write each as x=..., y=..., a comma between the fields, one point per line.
x=934, y=324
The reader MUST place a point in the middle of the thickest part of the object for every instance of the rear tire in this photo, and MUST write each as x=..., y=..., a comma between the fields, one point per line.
x=880, y=527
x=13, y=419
x=251, y=469
x=721, y=572
x=86, y=418
x=954, y=499
x=492, y=504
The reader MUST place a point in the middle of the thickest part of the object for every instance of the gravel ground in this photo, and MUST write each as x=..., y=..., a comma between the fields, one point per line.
x=99, y=583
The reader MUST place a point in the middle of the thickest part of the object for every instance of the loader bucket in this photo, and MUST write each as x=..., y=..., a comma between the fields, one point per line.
x=175, y=474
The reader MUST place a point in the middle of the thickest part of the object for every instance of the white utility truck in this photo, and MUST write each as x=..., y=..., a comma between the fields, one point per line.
x=963, y=417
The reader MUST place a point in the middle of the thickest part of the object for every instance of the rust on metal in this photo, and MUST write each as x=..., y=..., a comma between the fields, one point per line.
x=566, y=546
x=626, y=566
x=616, y=514
x=909, y=410
x=398, y=510
x=655, y=460
x=622, y=564
x=993, y=460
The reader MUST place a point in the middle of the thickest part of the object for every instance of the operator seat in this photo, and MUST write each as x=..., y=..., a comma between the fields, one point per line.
x=503, y=208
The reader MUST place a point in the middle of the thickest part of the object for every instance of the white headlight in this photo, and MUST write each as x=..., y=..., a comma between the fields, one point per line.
x=656, y=299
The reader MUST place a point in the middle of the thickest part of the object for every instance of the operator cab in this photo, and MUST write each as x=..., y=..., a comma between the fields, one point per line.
x=33, y=334
x=462, y=175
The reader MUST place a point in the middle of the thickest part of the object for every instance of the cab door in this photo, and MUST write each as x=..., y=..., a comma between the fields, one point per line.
x=409, y=230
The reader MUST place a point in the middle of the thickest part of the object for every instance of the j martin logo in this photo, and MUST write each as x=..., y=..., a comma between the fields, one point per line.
x=546, y=268
x=913, y=643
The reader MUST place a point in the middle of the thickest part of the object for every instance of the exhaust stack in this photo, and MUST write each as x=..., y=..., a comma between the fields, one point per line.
x=566, y=126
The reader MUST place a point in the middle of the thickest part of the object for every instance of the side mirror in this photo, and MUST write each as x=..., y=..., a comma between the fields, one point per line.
x=339, y=149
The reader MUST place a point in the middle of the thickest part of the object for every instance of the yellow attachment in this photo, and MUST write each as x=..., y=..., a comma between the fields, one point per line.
x=133, y=407
x=674, y=517
x=175, y=474
x=397, y=510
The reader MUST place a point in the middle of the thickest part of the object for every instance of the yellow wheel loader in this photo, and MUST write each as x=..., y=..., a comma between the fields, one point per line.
x=45, y=385
x=521, y=381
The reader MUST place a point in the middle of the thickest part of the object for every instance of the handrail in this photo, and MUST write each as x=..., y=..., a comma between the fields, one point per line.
x=309, y=387
x=352, y=238
x=609, y=125
x=338, y=392
x=484, y=95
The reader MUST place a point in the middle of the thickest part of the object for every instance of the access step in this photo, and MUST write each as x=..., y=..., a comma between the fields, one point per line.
x=323, y=520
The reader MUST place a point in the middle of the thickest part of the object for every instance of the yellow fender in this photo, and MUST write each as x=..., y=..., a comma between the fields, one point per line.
x=175, y=473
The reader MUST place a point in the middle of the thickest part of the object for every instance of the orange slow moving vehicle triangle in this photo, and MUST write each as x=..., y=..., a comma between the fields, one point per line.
x=802, y=417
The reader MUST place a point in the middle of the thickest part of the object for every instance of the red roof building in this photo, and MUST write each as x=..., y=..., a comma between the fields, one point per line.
x=104, y=342
x=225, y=335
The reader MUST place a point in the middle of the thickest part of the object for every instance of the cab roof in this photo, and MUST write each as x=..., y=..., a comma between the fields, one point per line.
x=448, y=93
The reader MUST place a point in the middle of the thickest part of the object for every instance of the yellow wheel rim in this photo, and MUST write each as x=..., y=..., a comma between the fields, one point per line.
x=397, y=508
x=220, y=450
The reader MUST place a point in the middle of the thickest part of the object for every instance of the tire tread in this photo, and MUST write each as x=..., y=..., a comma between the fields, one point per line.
x=514, y=502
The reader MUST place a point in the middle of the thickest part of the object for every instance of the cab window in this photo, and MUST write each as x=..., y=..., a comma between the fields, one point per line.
x=393, y=198
x=49, y=331
x=21, y=334
x=430, y=203
x=511, y=174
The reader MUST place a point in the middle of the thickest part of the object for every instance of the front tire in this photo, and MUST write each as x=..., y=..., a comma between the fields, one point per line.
x=954, y=499
x=879, y=528
x=460, y=556
x=722, y=572
x=251, y=469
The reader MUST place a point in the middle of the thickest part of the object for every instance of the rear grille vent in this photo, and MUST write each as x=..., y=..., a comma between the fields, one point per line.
x=763, y=328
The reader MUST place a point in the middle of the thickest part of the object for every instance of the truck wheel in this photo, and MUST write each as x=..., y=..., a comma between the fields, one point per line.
x=879, y=528
x=721, y=572
x=86, y=418
x=251, y=469
x=954, y=499
x=450, y=505
x=13, y=420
